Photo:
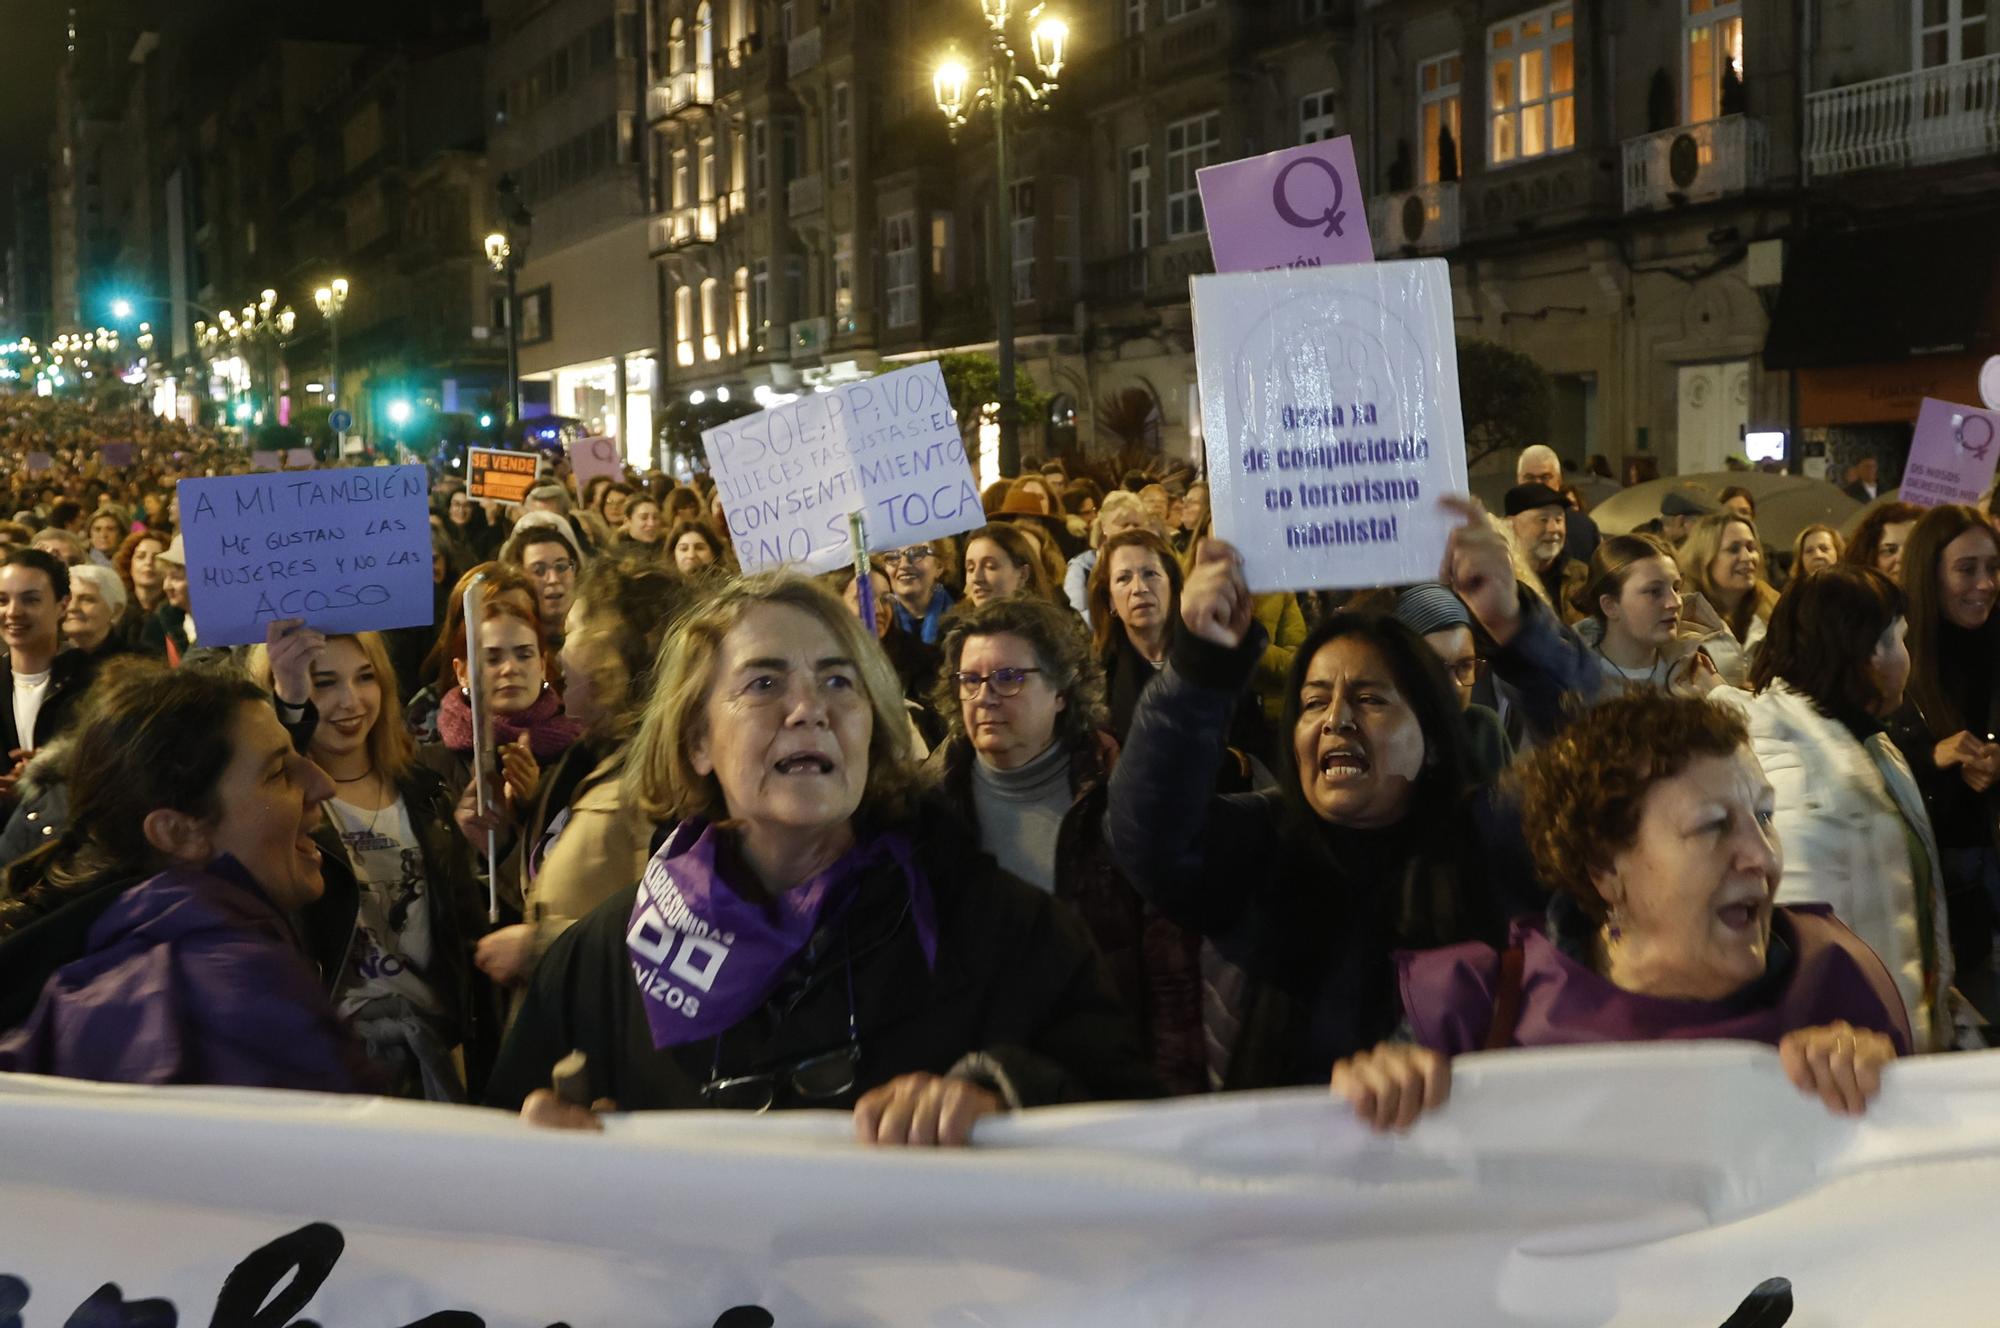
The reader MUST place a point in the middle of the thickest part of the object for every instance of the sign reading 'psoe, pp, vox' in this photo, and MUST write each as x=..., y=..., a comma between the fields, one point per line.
x=1329, y=400
x=1301, y=207
x=347, y=550
x=886, y=447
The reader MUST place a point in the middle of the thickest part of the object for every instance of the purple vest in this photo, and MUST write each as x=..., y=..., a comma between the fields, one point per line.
x=1448, y=993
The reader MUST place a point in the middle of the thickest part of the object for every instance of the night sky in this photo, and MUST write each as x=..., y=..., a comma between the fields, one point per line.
x=31, y=46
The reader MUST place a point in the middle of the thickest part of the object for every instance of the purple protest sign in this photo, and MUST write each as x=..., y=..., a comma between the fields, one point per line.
x=1952, y=454
x=1301, y=207
x=299, y=458
x=41, y=461
x=267, y=459
x=116, y=455
x=592, y=457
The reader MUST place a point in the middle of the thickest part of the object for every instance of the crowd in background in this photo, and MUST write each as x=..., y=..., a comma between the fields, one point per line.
x=1073, y=815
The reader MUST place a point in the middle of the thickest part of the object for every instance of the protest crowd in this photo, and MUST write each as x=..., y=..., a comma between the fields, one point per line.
x=1054, y=811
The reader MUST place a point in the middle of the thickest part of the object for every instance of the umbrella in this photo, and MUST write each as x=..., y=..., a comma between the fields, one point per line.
x=1786, y=504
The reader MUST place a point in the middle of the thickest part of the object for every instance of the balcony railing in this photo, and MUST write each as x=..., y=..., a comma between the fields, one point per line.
x=805, y=196
x=1932, y=115
x=1424, y=219
x=1696, y=163
x=694, y=224
x=802, y=54
x=691, y=87
x=659, y=235
x=735, y=203
x=808, y=338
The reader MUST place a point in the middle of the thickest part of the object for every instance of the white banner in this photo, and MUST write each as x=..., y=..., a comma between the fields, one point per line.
x=1653, y=1185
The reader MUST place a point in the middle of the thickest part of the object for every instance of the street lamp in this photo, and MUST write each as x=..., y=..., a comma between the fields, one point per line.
x=331, y=299
x=505, y=251
x=1005, y=81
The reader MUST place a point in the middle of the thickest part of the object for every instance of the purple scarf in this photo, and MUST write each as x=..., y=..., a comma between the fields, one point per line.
x=706, y=959
x=550, y=732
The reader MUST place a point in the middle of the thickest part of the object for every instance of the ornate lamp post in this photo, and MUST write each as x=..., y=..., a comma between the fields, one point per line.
x=331, y=299
x=506, y=250
x=1004, y=82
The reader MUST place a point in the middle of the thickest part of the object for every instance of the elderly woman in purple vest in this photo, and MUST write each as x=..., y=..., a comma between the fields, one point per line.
x=1652, y=822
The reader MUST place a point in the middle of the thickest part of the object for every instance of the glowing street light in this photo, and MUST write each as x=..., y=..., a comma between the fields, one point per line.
x=399, y=413
x=1005, y=83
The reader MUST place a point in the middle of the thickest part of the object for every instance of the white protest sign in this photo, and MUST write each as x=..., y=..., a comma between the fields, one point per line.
x=1589, y=1185
x=347, y=550
x=886, y=447
x=1329, y=402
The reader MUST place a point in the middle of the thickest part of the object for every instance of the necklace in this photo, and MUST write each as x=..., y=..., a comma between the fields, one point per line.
x=369, y=829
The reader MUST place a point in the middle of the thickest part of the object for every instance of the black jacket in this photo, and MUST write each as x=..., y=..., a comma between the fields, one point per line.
x=69, y=677
x=1310, y=913
x=456, y=907
x=165, y=625
x=1016, y=979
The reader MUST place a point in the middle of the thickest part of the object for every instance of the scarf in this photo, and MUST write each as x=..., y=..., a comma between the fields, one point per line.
x=549, y=730
x=706, y=959
x=928, y=629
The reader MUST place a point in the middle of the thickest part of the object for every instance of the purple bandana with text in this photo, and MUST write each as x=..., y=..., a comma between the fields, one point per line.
x=705, y=958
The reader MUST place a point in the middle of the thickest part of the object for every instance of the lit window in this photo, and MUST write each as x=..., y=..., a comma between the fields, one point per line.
x=1438, y=113
x=1191, y=144
x=1531, y=80
x=1713, y=41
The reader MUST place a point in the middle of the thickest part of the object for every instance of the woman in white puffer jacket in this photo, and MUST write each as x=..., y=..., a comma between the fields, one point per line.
x=1849, y=813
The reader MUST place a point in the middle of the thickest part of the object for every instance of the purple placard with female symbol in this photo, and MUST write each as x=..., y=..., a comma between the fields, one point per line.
x=1301, y=207
x=1952, y=454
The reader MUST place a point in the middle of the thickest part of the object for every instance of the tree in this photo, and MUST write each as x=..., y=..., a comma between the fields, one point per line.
x=1505, y=397
x=682, y=424
x=973, y=382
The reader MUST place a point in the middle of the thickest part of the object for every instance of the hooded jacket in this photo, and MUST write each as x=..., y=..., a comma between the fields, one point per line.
x=192, y=976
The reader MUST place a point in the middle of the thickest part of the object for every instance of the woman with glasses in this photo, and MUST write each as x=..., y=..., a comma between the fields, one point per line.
x=921, y=599
x=1026, y=766
x=807, y=932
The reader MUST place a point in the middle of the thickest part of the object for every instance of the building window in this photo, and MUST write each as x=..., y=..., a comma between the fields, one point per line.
x=760, y=302
x=1713, y=39
x=684, y=326
x=843, y=278
x=1948, y=31
x=760, y=161
x=795, y=286
x=1135, y=17
x=739, y=167
x=740, y=302
x=1316, y=116
x=843, y=132
x=1138, y=197
x=1531, y=71
x=1191, y=144
x=1176, y=10
x=704, y=38
x=899, y=268
x=1024, y=242
x=942, y=270
x=705, y=176
x=787, y=28
x=682, y=180
x=677, y=47
x=1437, y=116
x=711, y=319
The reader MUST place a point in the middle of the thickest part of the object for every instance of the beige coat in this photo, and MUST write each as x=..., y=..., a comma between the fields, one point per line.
x=602, y=849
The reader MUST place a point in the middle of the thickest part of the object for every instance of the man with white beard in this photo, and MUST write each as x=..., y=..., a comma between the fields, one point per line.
x=1538, y=515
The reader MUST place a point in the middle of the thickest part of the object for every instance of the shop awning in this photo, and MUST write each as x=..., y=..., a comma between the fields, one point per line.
x=1884, y=294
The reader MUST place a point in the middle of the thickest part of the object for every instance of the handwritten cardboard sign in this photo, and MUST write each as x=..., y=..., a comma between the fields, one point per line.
x=1329, y=401
x=886, y=447
x=115, y=455
x=1301, y=207
x=41, y=461
x=347, y=550
x=1952, y=454
x=592, y=457
x=267, y=459
x=498, y=476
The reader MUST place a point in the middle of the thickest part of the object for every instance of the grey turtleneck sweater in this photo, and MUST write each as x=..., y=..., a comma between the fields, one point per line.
x=1021, y=810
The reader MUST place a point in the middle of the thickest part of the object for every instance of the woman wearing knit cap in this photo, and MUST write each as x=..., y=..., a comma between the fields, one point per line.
x=1441, y=618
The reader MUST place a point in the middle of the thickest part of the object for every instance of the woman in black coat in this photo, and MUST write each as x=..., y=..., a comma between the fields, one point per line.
x=1376, y=840
x=807, y=933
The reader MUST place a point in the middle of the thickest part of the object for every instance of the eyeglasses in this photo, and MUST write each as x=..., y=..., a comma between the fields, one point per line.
x=561, y=567
x=819, y=1077
x=1006, y=682
x=1466, y=672
x=895, y=556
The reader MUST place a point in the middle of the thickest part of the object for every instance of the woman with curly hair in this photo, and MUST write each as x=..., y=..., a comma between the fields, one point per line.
x=1879, y=539
x=1651, y=820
